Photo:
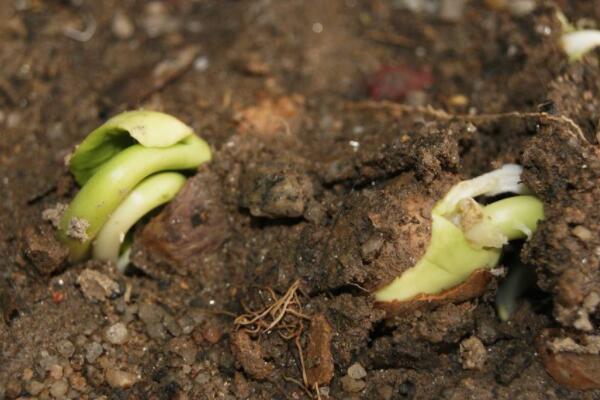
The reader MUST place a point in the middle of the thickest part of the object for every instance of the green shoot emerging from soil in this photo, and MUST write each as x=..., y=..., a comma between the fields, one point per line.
x=116, y=166
x=576, y=43
x=466, y=235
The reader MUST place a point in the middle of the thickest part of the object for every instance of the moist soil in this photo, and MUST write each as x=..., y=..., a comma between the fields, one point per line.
x=335, y=127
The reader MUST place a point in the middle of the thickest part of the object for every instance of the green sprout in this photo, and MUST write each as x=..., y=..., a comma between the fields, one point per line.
x=149, y=194
x=116, y=159
x=466, y=235
x=576, y=43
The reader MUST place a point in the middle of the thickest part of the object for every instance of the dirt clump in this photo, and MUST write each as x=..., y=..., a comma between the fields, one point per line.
x=255, y=282
x=250, y=355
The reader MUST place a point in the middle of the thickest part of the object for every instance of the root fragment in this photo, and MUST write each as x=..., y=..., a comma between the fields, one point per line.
x=282, y=315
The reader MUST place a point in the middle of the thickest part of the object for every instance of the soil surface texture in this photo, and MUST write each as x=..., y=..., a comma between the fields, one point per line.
x=335, y=128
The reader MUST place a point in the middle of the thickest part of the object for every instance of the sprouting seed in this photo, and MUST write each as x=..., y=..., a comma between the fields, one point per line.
x=467, y=236
x=576, y=43
x=113, y=160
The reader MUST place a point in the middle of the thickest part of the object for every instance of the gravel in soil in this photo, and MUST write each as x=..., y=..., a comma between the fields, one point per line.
x=319, y=192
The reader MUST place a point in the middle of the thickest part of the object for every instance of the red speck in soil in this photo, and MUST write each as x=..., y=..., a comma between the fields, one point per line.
x=394, y=82
x=57, y=297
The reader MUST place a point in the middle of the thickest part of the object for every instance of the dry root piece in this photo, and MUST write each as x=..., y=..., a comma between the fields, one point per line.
x=272, y=317
x=283, y=315
x=250, y=355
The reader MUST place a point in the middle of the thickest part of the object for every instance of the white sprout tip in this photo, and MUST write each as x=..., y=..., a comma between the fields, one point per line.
x=506, y=179
x=577, y=43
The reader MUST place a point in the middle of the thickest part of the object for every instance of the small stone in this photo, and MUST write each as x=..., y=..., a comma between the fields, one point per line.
x=171, y=325
x=11, y=388
x=149, y=313
x=521, y=8
x=46, y=361
x=40, y=248
x=201, y=63
x=97, y=286
x=356, y=371
x=78, y=382
x=93, y=351
x=65, y=348
x=183, y=347
x=122, y=27
x=59, y=389
x=27, y=374
x=583, y=233
x=34, y=387
x=202, y=378
x=472, y=353
x=156, y=330
x=117, y=333
x=187, y=324
x=67, y=370
x=212, y=334
x=56, y=372
x=117, y=378
x=157, y=21
x=452, y=10
x=385, y=392
x=352, y=385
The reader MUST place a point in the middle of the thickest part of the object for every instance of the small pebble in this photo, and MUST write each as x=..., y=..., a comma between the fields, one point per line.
x=117, y=333
x=157, y=21
x=34, y=387
x=78, y=382
x=122, y=27
x=583, y=233
x=386, y=392
x=452, y=10
x=27, y=374
x=212, y=334
x=171, y=324
x=120, y=379
x=65, y=348
x=156, y=330
x=59, y=389
x=46, y=361
x=97, y=286
x=56, y=372
x=184, y=348
x=352, y=385
x=201, y=63
x=187, y=324
x=149, y=313
x=520, y=8
x=202, y=378
x=93, y=351
x=356, y=371
x=472, y=353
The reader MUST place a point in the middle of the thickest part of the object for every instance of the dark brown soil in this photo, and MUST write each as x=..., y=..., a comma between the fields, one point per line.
x=335, y=125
